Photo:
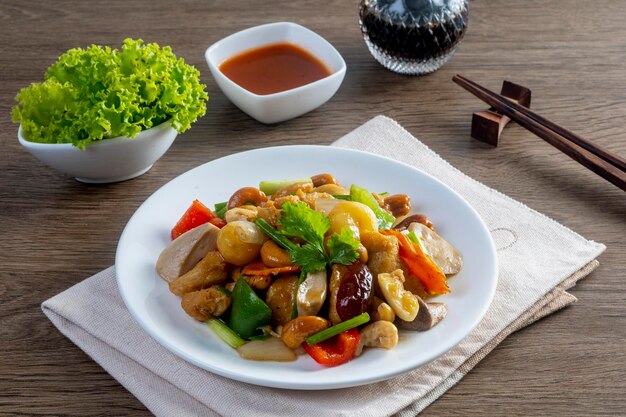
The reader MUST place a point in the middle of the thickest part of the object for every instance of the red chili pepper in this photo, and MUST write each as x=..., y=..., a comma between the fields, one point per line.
x=196, y=215
x=336, y=350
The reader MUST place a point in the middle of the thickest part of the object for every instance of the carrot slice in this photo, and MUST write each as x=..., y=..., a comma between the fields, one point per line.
x=420, y=264
x=259, y=268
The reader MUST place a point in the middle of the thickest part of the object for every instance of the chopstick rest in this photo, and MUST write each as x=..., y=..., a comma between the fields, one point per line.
x=606, y=164
x=487, y=126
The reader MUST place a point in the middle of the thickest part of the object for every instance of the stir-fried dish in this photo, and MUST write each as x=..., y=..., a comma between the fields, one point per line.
x=308, y=264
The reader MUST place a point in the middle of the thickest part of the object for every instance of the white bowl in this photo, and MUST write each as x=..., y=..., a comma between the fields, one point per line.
x=285, y=105
x=109, y=160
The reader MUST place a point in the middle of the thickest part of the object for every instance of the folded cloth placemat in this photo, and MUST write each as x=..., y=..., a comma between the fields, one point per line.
x=539, y=260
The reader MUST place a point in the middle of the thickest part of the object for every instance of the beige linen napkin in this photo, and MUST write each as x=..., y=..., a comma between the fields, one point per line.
x=539, y=260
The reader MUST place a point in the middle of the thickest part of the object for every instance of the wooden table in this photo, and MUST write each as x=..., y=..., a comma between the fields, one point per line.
x=572, y=54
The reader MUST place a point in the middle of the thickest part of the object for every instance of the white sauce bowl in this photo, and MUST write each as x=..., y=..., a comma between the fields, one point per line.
x=285, y=105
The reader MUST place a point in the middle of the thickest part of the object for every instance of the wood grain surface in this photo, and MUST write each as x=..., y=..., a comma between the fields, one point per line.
x=572, y=54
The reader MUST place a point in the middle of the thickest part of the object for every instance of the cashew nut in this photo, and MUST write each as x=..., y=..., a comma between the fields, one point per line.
x=323, y=179
x=363, y=255
x=246, y=195
x=380, y=334
x=274, y=256
x=398, y=204
x=295, y=331
x=382, y=311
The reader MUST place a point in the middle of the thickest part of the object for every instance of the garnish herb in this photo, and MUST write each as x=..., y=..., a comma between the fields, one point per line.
x=343, y=247
x=300, y=221
x=355, y=321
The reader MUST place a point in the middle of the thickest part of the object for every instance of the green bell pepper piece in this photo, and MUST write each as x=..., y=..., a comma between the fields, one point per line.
x=248, y=312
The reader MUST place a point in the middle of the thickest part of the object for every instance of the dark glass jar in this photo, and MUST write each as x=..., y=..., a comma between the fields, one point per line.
x=413, y=36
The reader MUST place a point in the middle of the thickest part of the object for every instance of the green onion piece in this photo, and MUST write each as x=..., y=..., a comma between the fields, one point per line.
x=271, y=187
x=221, y=209
x=342, y=196
x=355, y=321
x=225, y=333
x=294, y=308
x=275, y=235
x=384, y=194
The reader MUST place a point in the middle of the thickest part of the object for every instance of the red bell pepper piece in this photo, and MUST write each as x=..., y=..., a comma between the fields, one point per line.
x=196, y=215
x=336, y=350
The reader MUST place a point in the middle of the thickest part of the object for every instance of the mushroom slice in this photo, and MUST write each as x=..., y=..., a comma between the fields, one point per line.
x=312, y=293
x=445, y=256
x=186, y=251
x=428, y=316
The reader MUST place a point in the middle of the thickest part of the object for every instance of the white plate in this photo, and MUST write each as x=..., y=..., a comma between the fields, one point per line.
x=158, y=311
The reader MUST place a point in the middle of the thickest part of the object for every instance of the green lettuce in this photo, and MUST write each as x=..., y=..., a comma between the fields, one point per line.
x=100, y=93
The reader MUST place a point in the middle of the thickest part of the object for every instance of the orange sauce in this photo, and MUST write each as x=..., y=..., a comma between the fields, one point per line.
x=274, y=68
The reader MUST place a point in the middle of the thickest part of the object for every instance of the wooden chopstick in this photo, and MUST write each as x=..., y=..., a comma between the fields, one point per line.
x=590, y=146
x=604, y=163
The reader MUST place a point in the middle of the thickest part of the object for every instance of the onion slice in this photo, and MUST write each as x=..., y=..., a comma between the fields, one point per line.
x=270, y=349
